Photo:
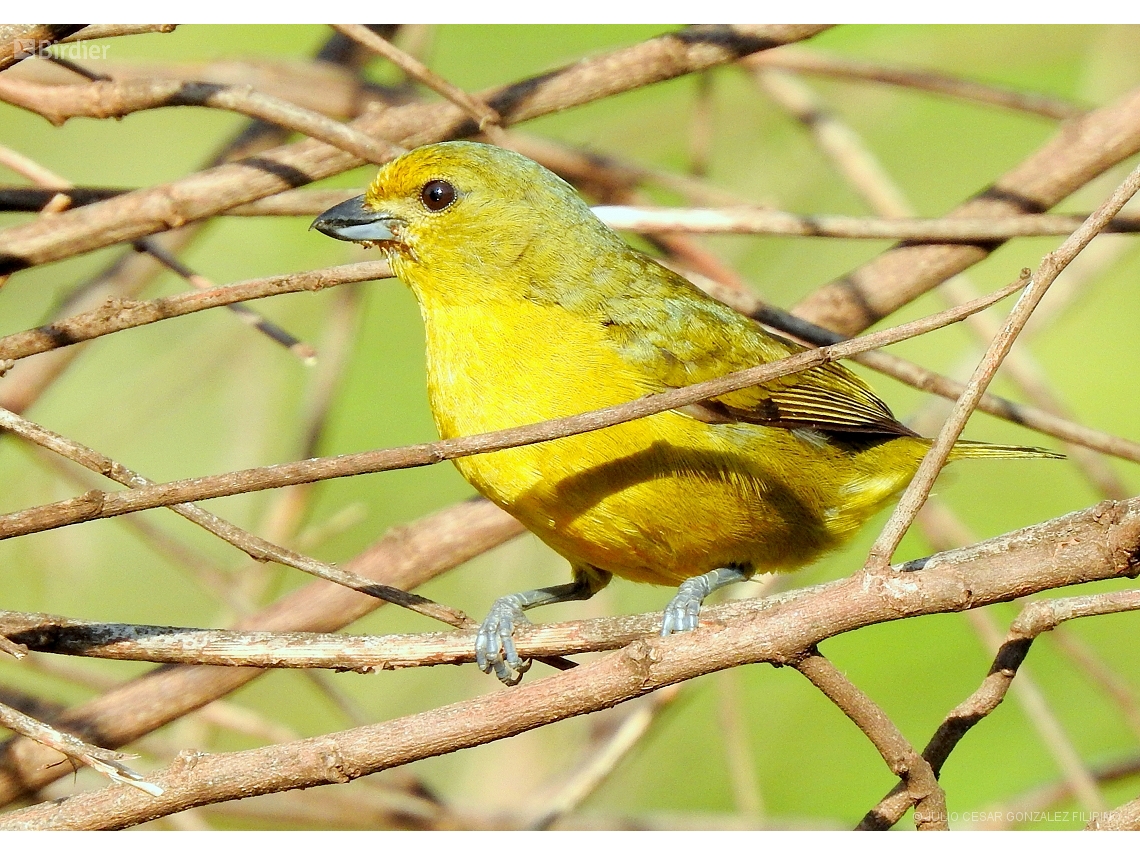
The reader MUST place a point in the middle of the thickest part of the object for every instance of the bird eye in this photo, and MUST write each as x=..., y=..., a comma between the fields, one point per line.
x=437, y=195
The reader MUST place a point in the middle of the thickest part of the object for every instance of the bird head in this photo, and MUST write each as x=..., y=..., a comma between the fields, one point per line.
x=461, y=210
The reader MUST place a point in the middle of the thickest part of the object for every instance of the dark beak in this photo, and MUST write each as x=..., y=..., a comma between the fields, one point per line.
x=351, y=220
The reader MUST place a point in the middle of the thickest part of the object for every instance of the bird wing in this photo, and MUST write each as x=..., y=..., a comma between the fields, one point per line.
x=675, y=335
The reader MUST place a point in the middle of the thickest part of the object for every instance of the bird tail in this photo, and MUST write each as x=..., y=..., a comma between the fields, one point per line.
x=966, y=449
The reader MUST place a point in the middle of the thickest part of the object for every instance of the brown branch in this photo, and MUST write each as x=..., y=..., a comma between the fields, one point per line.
x=106, y=763
x=61, y=200
x=91, y=32
x=100, y=505
x=817, y=62
x=740, y=220
x=333, y=90
x=279, y=649
x=1102, y=542
x=118, y=315
x=477, y=109
x=124, y=278
x=918, y=780
x=208, y=193
x=862, y=170
x=1050, y=268
x=20, y=41
x=644, y=219
x=256, y=547
x=1124, y=818
x=405, y=558
x=104, y=99
x=1036, y=617
x=1027, y=693
x=1080, y=151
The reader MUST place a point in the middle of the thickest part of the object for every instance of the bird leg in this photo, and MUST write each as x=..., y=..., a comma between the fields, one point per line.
x=683, y=610
x=494, y=648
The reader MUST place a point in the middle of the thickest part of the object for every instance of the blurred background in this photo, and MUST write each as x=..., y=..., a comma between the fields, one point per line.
x=754, y=747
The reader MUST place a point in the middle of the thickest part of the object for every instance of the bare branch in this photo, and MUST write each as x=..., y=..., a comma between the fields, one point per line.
x=818, y=62
x=483, y=114
x=918, y=779
x=405, y=558
x=766, y=221
x=1102, y=542
x=110, y=31
x=254, y=546
x=118, y=315
x=100, y=505
x=1049, y=269
x=1124, y=818
x=1037, y=617
x=106, y=763
x=1079, y=151
x=208, y=193
x=20, y=41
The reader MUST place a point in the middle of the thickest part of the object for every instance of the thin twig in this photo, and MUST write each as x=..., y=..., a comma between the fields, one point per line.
x=254, y=546
x=102, y=99
x=212, y=191
x=487, y=117
x=100, y=505
x=1077, y=153
x=61, y=201
x=1036, y=617
x=1099, y=543
x=20, y=41
x=817, y=62
x=918, y=780
x=119, y=315
x=855, y=161
x=405, y=558
x=740, y=220
x=91, y=32
x=1032, y=701
x=105, y=762
x=878, y=560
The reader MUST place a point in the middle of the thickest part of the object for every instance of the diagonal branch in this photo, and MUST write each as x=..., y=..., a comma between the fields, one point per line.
x=918, y=780
x=405, y=558
x=1049, y=269
x=100, y=505
x=1102, y=542
x=1037, y=617
x=212, y=191
x=1079, y=151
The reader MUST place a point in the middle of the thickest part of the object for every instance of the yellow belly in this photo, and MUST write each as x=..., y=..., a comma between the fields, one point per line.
x=657, y=500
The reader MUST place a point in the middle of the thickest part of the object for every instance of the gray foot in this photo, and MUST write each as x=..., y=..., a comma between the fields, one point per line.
x=683, y=612
x=494, y=648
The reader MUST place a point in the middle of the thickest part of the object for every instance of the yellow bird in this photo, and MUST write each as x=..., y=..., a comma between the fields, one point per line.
x=535, y=309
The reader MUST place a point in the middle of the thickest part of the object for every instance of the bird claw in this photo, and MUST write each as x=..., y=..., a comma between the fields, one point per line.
x=494, y=647
x=683, y=611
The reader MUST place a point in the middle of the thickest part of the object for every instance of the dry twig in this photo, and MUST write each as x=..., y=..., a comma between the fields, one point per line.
x=1102, y=542
x=100, y=505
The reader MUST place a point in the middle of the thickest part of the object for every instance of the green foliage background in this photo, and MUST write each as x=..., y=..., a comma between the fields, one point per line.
x=203, y=394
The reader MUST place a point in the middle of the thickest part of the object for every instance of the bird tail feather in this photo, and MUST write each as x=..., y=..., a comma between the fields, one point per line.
x=966, y=449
